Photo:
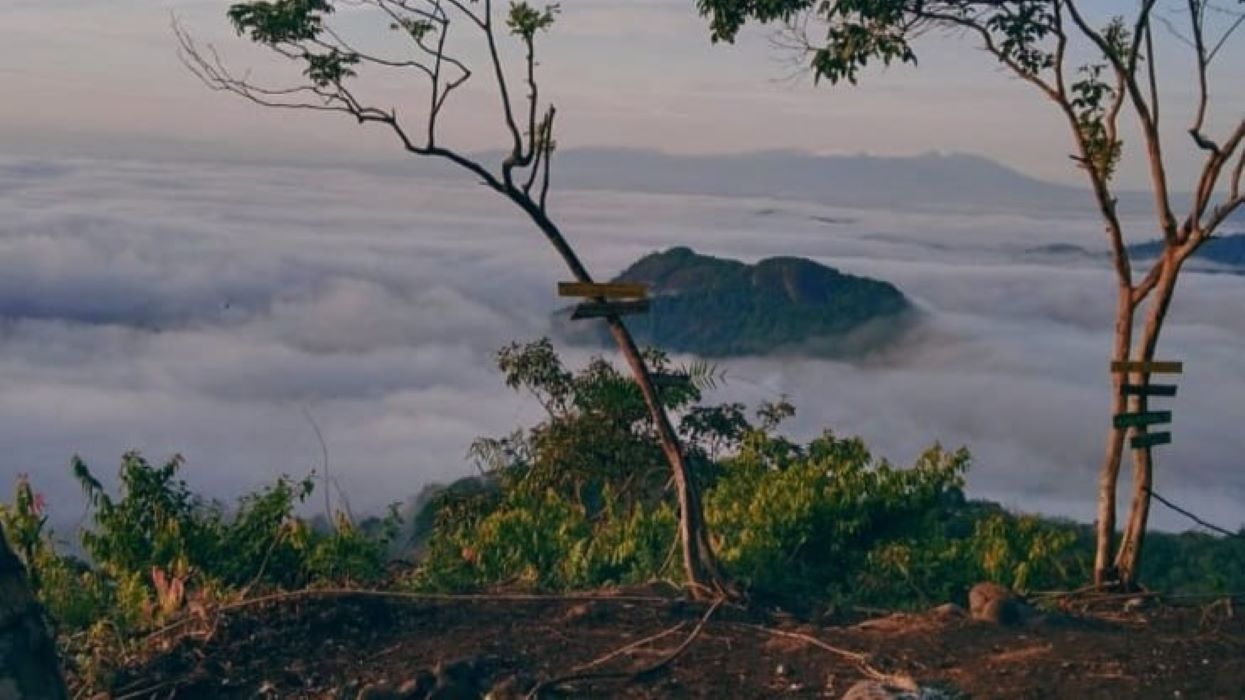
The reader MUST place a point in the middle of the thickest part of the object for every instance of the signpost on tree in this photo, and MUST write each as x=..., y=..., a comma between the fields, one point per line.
x=1093, y=70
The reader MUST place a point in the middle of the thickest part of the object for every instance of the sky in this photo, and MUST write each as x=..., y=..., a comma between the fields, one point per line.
x=183, y=272
x=102, y=78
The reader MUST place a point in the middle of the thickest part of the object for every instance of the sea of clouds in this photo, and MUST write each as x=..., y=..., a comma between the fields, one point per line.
x=208, y=309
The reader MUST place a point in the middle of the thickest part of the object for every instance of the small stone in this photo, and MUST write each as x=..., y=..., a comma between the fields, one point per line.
x=990, y=602
x=875, y=690
x=948, y=611
x=376, y=691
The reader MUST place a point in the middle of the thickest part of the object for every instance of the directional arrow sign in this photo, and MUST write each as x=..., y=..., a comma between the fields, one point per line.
x=1148, y=390
x=609, y=308
x=610, y=290
x=1150, y=367
x=1141, y=420
x=1150, y=440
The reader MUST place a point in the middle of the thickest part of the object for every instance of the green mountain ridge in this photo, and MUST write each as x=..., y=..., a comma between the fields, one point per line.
x=717, y=307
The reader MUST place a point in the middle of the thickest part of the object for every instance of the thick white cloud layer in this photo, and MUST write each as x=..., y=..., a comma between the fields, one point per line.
x=201, y=308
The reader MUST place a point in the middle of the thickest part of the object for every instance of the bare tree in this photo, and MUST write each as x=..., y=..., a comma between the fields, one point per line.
x=28, y=660
x=303, y=32
x=1038, y=41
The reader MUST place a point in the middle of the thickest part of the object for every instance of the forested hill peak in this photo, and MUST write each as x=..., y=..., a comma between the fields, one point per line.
x=715, y=306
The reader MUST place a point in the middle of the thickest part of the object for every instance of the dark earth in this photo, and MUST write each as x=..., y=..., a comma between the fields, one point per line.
x=358, y=645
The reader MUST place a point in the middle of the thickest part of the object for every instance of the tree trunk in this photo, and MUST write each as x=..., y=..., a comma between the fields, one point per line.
x=705, y=577
x=1108, y=478
x=28, y=661
x=1128, y=559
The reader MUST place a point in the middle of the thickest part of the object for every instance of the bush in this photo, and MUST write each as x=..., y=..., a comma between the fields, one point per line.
x=579, y=501
x=157, y=546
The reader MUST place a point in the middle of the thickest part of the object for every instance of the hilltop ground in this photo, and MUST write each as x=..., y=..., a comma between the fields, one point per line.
x=351, y=646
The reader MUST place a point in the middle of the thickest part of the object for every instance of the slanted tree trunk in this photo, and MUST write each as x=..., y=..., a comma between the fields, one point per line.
x=704, y=576
x=28, y=662
x=1108, y=478
x=1128, y=560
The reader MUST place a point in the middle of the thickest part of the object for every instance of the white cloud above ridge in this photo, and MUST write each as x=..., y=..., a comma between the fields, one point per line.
x=198, y=309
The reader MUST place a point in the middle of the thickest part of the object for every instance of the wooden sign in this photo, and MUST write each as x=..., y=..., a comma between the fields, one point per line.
x=1148, y=390
x=610, y=290
x=1150, y=440
x=609, y=308
x=1141, y=420
x=675, y=379
x=1148, y=367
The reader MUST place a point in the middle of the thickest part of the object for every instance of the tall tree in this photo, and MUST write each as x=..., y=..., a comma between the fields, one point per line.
x=1045, y=43
x=331, y=59
x=28, y=660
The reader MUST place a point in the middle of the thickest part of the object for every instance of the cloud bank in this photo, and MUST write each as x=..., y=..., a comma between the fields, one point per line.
x=200, y=309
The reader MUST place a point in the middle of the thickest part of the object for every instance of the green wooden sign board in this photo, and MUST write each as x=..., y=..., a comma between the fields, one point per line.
x=1150, y=440
x=1141, y=420
x=1148, y=390
x=609, y=308
x=1148, y=367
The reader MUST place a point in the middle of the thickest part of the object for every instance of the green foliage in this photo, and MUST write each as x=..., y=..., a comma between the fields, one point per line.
x=329, y=68
x=858, y=31
x=280, y=21
x=524, y=20
x=1194, y=563
x=155, y=547
x=1091, y=97
x=805, y=519
x=579, y=501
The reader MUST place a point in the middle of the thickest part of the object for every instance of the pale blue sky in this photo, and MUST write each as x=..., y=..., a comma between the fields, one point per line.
x=100, y=78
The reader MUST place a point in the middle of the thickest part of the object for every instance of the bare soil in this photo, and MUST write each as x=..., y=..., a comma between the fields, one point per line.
x=357, y=646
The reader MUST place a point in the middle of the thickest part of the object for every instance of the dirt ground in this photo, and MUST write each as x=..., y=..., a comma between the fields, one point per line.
x=364, y=646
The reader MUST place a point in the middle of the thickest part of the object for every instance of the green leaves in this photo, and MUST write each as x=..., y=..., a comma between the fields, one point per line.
x=279, y=21
x=1019, y=30
x=417, y=28
x=727, y=17
x=524, y=20
x=330, y=68
x=851, y=44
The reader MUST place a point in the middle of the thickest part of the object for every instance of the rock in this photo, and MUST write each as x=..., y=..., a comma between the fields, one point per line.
x=581, y=612
x=948, y=611
x=28, y=660
x=376, y=691
x=990, y=602
x=900, y=689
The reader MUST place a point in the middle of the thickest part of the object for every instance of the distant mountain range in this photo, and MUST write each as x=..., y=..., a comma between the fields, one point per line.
x=928, y=182
x=717, y=307
x=1227, y=251
x=1222, y=250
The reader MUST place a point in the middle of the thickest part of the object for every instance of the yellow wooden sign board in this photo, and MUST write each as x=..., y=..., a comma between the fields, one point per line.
x=1148, y=367
x=607, y=290
x=609, y=308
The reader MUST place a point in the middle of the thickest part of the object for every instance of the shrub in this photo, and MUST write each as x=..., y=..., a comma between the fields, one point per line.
x=156, y=545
